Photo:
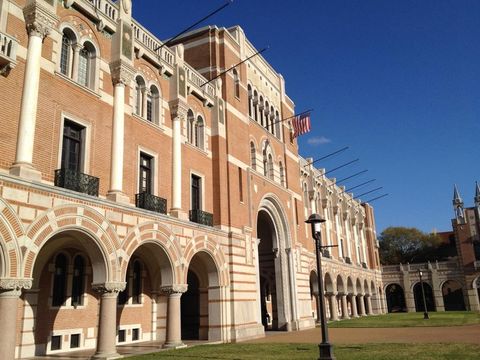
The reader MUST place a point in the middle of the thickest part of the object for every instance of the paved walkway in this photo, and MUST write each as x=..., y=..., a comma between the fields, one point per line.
x=457, y=334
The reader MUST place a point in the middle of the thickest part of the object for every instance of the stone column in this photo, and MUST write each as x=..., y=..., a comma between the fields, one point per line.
x=353, y=302
x=39, y=20
x=333, y=307
x=174, y=318
x=76, y=57
x=10, y=291
x=317, y=306
x=179, y=115
x=107, y=323
x=122, y=75
x=344, y=307
x=369, y=304
x=473, y=300
x=362, y=304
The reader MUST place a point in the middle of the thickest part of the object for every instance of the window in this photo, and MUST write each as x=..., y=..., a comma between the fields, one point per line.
x=196, y=192
x=72, y=149
x=137, y=283
x=272, y=120
x=250, y=101
x=77, y=280
x=56, y=343
x=261, y=108
x=282, y=174
x=296, y=211
x=122, y=298
x=135, y=334
x=278, y=133
x=86, y=67
x=236, y=80
x=66, y=54
x=267, y=118
x=121, y=335
x=265, y=162
x=149, y=107
x=145, y=174
x=60, y=281
x=153, y=105
x=199, y=133
x=190, y=126
x=253, y=156
x=340, y=250
x=140, y=90
x=305, y=197
x=271, y=170
x=255, y=105
x=240, y=184
x=74, y=341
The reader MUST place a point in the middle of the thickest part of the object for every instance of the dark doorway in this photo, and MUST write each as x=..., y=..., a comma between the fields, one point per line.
x=417, y=293
x=190, y=309
x=453, y=296
x=395, y=298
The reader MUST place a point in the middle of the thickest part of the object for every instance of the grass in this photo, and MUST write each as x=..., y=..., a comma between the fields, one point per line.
x=452, y=318
x=306, y=351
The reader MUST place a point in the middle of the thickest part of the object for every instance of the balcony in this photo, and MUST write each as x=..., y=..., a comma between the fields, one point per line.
x=151, y=202
x=8, y=53
x=201, y=217
x=77, y=181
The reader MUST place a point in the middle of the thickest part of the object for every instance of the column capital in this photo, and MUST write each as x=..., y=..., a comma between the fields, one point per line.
x=13, y=284
x=39, y=20
x=174, y=289
x=179, y=109
x=109, y=287
x=122, y=72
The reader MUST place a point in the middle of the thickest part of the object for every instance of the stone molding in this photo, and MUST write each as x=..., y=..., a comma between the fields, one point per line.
x=179, y=110
x=122, y=72
x=109, y=287
x=15, y=284
x=174, y=289
x=39, y=20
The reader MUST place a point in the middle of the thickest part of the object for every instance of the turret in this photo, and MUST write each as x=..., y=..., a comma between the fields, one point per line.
x=458, y=206
x=477, y=195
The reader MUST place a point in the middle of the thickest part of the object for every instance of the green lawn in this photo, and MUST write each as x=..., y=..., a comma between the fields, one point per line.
x=452, y=318
x=300, y=352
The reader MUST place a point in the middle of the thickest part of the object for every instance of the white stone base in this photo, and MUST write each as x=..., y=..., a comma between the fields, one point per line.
x=247, y=333
x=118, y=197
x=26, y=171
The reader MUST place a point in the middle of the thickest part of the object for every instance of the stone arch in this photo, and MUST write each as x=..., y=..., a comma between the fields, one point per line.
x=366, y=288
x=11, y=229
x=395, y=297
x=313, y=282
x=341, y=285
x=453, y=295
x=418, y=297
x=206, y=245
x=154, y=236
x=271, y=204
x=350, y=287
x=80, y=221
x=373, y=288
x=330, y=285
x=358, y=287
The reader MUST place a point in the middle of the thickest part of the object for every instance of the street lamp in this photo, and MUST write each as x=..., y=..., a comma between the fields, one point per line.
x=326, y=349
x=425, y=310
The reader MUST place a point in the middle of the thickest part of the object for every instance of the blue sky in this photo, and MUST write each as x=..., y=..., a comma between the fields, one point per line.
x=397, y=81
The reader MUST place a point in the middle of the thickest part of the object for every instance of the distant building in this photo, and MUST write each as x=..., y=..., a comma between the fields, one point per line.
x=449, y=285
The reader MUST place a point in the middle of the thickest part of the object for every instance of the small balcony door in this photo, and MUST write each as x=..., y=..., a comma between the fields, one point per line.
x=196, y=192
x=72, y=148
x=145, y=171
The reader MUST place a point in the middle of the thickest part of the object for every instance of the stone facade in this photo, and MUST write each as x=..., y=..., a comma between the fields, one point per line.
x=140, y=203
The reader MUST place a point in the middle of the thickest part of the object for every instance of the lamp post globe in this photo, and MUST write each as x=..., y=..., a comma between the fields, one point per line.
x=325, y=348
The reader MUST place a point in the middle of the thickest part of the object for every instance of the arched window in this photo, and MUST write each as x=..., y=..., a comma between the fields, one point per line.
x=261, y=108
x=86, y=65
x=236, y=80
x=69, y=40
x=271, y=171
x=253, y=156
x=153, y=104
x=305, y=196
x=265, y=162
x=199, y=132
x=137, y=283
x=282, y=174
x=60, y=280
x=77, y=280
x=140, y=90
x=278, y=132
x=190, y=126
x=266, y=112
x=250, y=101
x=272, y=120
x=255, y=105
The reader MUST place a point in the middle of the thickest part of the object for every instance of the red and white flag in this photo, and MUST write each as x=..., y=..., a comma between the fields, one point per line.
x=301, y=124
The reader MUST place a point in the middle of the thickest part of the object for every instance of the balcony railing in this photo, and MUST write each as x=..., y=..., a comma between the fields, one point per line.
x=201, y=217
x=8, y=53
x=151, y=202
x=77, y=181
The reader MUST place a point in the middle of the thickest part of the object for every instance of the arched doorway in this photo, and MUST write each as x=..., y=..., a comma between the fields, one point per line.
x=314, y=295
x=272, y=260
x=395, y=298
x=417, y=293
x=453, y=296
x=62, y=299
x=142, y=306
x=201, y=304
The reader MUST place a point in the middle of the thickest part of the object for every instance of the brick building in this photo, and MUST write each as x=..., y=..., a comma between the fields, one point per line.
x=138, y=203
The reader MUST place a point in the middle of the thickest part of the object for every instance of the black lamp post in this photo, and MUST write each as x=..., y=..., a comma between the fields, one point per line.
x=326, y=349
x=425, y=310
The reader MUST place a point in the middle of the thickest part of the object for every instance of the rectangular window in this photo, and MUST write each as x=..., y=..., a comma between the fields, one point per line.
x=240, y=184
x=74, y=341
x=145, y=174
x=296, y=212
x=121, y=336
x=72, y=149
x=135, y=334
x=56, y=343
x=196, y=192
x=65, y=56
x=83, y=67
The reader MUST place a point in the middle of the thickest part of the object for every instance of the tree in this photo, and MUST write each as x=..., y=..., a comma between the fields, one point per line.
x=407, y=245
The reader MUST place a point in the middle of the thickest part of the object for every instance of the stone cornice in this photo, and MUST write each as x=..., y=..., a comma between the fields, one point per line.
x=174, y=289
x=109, y=287
x=39, y=20
x=15, y=284
x=179, y=109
